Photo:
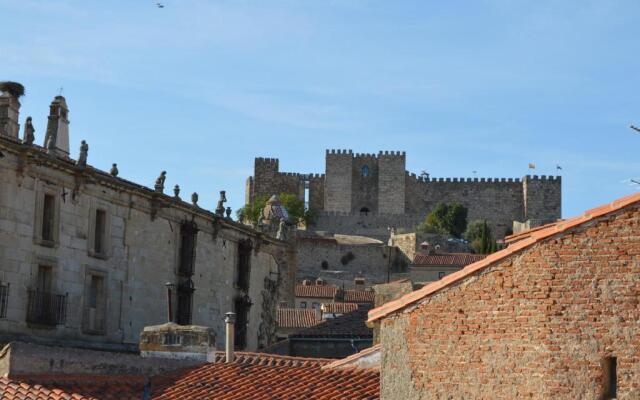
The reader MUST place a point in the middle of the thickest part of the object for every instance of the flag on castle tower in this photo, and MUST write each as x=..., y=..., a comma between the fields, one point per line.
x=532, y=166
x=558, y=167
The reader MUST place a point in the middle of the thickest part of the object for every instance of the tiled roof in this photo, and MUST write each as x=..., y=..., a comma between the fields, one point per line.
x=316, y=291
x=297, y=318
x=527, y=233
x=251, y=376
x=448, y=259
x=534, y=237
x=236, y=381
x=349, y=325
x=338, y=308
x=359, y=296
x=273, y=360
x=343, y=362
x=72, y=387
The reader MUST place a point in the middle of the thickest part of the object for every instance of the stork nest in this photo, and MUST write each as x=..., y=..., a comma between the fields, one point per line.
x=13, y=88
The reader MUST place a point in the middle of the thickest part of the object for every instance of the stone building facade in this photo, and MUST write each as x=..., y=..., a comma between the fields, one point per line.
x=553, y=316
x=364, y=194
x=89, y=258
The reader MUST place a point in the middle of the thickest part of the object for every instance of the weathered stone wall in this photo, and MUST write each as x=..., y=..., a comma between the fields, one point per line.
x=364, y=190
x=268, y=180
x=542, y=199
x=374, y=261
x=338, y=181
x=375, y=226
x=142, y=253
x=536, y=325
x=391, y=185
x=316, y=192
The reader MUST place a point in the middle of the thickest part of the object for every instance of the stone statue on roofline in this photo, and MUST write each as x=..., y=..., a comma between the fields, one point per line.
x=29, y=132
x=84, y=153
x=159, y=186
x=194, y=199
x=50, y=144
x=114, y=170
x=220, y=209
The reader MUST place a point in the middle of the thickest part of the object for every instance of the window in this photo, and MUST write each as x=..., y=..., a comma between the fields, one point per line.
x=244, y=264
x=241, y=307
x=441, y=274
x=100, y=232
x=48, y=218
x=315, y=305
x=610, y=373
x=303, y=304
x=364, y=211
x=188, y=235
x=4, y=299
x=43, y=306
x=184, y=312
x=365, y=171
x=95, y=306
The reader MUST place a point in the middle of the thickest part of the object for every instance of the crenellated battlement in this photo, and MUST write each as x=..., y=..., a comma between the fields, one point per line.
x=340, y=151
x=316, y=176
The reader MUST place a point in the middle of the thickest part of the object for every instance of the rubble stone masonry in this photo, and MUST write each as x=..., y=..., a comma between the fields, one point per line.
x=538, y=324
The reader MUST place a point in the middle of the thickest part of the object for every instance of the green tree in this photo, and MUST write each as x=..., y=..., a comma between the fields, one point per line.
x=479, y=234
x=445, y=219
x=298, y=213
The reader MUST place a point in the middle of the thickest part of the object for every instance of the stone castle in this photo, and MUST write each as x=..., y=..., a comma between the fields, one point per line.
x=366, y=194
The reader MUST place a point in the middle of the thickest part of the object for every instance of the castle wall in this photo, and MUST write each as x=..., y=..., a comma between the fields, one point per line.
x=499, y=201
x=268, y=180
x=141, y=255
x=372, y=261
x=364, y=193
x=375, y=226
x=542, y=198
x=338, y=181
x=391, y=186
x=316, y=192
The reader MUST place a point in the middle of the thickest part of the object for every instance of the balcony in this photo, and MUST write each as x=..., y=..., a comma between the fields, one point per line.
x=48, y=309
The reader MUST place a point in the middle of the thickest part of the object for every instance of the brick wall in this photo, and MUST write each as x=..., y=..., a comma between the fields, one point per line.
x=535, y=325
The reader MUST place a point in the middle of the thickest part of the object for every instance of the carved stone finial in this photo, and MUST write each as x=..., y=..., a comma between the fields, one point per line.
x=84, y=152
x=220, y=208
x=159, y=186
x=51, y=144
x=228, y=212
x=29, y=130
x=114, y=170
x=176, y=191
x=194, y=199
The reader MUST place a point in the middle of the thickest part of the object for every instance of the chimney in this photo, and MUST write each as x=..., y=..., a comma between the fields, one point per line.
x=230, y=321
x=58, y=127
x=10, y=92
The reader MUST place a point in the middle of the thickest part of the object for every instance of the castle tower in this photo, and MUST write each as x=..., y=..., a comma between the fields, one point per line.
x=542, y=198
x=391, y=182
x=338, y=179
x=58, y=126
x=10, y=92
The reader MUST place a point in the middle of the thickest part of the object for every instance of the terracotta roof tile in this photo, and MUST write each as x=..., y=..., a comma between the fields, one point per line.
x=359, y=296
x=449, y=259
x=338, y=308
x=297, y=318
x=71, y=387
x=533, y=238
x=316, y=291
x=349, y=325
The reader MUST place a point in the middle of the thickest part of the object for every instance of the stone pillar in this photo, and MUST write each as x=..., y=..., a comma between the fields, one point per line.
x=10, y=92
x=58, y=126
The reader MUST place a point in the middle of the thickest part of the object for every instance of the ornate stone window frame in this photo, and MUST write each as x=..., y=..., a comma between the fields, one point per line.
x=90, y=272
x=91, y=232
x=43, y=189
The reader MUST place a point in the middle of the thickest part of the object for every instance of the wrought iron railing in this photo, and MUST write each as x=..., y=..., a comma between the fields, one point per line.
x=4, y=300
x=45, y=308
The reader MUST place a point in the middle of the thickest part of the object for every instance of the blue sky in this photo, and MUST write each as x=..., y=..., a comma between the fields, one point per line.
x=200, y=88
